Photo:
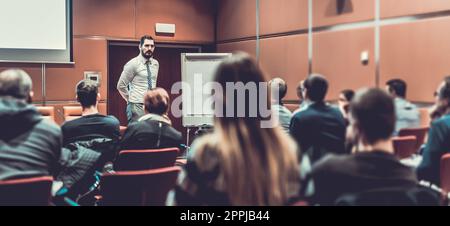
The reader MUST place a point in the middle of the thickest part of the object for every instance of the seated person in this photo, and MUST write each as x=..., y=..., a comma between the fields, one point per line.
x=373, y=166
x=278, y=89
x=344, y=101
x=320, y=128
x=407, y=114
x=437, y=144
x=240, y=163
x=29, y=145
x=91, y=124
x=154, y=129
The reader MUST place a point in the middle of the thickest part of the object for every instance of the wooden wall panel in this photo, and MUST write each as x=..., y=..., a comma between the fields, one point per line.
x=236, y=19
x=283, y=16
x=392, y=8
x=287, y=58
x=113, y=18
x=418, y=52
x=337, y=56
x=89, y=55
x=330, y=12
x=35, y=72
x=194, y=19
x=246, y=46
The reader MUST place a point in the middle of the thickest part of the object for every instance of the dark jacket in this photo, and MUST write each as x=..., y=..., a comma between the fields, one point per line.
x=150, y=133
x=319, y=130
x=334, y=176
x=437, y=145
x=29, y=145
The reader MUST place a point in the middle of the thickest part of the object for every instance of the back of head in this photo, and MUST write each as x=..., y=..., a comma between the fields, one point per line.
x=87, y=92
x=373, y=114
x=278, y=89
x=156, y=101
x=266, y=153
x=15, y=83
x=348, y=94
x=316, y=87
x=397, y=87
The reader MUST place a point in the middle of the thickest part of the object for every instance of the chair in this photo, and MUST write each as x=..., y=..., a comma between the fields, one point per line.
x=72, y=112
x=145, y=159
x=404, y=147
x=47, y=112
x=137, y=188
x=420, y=133
x=34, y=191
x=445, y=173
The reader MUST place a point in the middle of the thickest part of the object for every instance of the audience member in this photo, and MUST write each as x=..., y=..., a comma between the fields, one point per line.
x=278, y=89
x=407, y=114
x=29, y=145
x=154, y=129
x=320, y=128
x=344, y=102
x=240, y=163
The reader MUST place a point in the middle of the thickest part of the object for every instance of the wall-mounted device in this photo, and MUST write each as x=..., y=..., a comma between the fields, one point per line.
x=167, y=29
x=365, y=57
x=93, y=76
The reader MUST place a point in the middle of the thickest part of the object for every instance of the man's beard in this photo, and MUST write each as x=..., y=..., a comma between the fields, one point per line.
x=147, y=56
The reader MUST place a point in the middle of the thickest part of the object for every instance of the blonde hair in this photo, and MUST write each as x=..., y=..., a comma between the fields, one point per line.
x=258, y=165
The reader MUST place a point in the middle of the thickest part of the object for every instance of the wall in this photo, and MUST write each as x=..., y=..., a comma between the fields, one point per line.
x=97, y=21
x=405, y=39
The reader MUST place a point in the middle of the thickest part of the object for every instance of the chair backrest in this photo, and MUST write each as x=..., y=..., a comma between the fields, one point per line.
x=34, y=191
x=47, y=112
x=404, y=147
x=420, y=133
x=138, y=188
x=72, y=112
x=145, y=159
x=445, y=173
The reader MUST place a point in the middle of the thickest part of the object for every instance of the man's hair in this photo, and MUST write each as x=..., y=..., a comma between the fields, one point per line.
x=157, y=101
x=397, y=86
x=278, y=86
x=87, y=91
x=316, y=87
x=145, y=37
x=444, y=92
x=374, y=114
x=15, y=83
x=348, y=94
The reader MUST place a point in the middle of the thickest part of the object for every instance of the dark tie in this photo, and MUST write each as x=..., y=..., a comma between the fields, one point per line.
x=149, y=75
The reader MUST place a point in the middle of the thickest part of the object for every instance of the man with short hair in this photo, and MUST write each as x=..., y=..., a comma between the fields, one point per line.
x=438, y=137
x=154, y=129
x=278, y=89
x=374, y=169
x=91, y=124
x=29, y=145
x=407, y=114
x=320, y=128
x=139, y=75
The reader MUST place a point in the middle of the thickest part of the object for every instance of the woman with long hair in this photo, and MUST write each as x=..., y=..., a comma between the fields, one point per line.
x=240, y=163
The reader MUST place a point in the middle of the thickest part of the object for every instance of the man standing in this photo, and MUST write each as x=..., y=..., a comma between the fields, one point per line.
x=139, y=75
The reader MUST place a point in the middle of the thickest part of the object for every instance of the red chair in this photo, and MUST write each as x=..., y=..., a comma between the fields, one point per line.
x=47, y=112
x=420, y=133
x=404, y=147
x=72, y=112
x=137, y=188
x=145, y=159
x=34, y=191
x=445, y=173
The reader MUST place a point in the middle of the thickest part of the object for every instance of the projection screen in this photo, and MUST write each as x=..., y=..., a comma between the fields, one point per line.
x=36, y=31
